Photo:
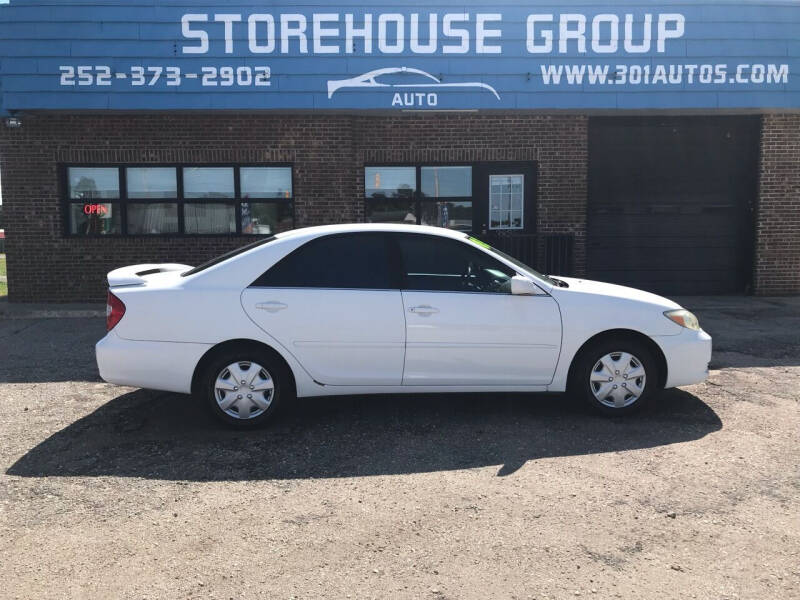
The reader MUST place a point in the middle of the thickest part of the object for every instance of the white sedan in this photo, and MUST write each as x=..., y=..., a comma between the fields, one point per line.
x=366, y=309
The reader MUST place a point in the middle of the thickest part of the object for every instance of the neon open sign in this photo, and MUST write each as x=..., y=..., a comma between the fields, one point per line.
x=95, y=209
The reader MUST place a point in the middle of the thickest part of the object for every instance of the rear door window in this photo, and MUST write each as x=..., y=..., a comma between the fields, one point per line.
x=343, y=261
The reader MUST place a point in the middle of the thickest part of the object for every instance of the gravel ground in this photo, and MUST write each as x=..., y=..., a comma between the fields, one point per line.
x=110, y=492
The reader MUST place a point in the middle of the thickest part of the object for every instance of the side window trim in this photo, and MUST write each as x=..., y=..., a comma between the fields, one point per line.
x=397, y=276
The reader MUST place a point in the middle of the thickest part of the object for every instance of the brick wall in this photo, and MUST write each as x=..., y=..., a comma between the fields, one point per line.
x=328, y=153
x=558, y=144
x=777, y=256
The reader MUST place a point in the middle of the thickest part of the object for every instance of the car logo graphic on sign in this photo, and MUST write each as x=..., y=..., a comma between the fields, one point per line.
x=430, y=82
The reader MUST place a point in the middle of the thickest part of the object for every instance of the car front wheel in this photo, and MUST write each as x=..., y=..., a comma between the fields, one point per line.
x=616, y=377
x=244, y=388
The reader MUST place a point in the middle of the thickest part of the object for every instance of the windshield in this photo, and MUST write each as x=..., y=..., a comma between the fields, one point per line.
x=517, y=263
x=223, y=257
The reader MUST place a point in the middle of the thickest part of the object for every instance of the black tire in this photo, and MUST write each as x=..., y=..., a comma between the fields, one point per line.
x=580, y=383
x=282, y=391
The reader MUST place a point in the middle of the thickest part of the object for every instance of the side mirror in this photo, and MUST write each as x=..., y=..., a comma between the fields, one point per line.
x=522, y=286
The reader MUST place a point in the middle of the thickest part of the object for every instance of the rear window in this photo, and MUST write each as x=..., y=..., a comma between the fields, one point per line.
x=223, y=257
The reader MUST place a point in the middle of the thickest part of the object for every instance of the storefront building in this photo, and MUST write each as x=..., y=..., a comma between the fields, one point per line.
x=655, y=145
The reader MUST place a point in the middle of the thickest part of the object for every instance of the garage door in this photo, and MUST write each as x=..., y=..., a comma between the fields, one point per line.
x=671, y=202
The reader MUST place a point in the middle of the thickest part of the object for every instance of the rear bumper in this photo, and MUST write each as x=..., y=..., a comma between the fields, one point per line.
x=687, y=354
x=167, y=366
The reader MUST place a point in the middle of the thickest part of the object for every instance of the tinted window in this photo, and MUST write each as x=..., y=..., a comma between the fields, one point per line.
x=437, y=264
x=223, y=257
x=338, y=261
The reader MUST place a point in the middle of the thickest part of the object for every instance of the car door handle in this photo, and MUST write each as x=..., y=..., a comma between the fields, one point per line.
x=272, y=306
x=423, y=309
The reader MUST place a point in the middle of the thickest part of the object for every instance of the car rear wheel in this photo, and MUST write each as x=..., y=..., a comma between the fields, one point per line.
x=616, y=377
x=244, y=388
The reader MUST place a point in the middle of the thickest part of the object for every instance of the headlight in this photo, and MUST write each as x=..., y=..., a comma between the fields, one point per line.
x=683, y=318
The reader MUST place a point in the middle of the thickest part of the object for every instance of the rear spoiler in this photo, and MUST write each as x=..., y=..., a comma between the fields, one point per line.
x=135, y=274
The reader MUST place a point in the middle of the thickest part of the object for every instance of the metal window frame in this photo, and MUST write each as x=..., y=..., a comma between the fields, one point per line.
x=179, y=200
x=416, y=197
x=522, y=209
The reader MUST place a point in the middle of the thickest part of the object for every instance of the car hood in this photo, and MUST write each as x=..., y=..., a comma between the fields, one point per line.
x=610, y=290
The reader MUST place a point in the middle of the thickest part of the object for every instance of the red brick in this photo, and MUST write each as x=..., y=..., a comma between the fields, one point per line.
x=777, y=263
x=328, y=153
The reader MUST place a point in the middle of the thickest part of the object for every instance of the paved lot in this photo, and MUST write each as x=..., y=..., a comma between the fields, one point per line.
x=117, y=492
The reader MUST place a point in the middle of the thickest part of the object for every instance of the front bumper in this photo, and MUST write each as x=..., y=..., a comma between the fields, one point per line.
x=688, y=355
x=167, y=366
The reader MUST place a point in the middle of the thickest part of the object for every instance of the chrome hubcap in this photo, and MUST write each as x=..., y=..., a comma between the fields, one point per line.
x=244, y=389
x=618, y=379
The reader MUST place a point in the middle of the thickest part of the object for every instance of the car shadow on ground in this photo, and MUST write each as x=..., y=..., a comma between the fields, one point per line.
x=166, y=436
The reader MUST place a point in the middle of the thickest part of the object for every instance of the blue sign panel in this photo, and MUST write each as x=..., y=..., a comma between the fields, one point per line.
x=390, y=55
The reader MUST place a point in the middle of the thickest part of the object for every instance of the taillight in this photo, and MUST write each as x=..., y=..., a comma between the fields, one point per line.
x=115, y=310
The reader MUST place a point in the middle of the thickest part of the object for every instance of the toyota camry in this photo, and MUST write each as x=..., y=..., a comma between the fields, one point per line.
x=369, y=309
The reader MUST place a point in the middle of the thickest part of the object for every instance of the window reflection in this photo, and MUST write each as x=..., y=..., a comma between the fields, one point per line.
x=152, y=182
x=178, y=199
x=392, y=196
x=446, y=182
x=391, y=211
x=451, y=215
x=390, y=182
x=264, y=218
x=505, y=201
x=266, y=182
x=208, y=182
x=87, y=183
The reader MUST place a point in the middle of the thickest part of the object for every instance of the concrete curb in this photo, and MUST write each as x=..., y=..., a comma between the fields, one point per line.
x=51, y=311
x=55, y=314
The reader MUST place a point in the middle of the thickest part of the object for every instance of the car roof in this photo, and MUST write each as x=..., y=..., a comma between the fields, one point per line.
x=302, y=235
x=250, y=255
x=321, y=230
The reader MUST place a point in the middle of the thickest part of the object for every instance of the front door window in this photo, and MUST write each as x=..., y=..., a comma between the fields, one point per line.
x=443, y=265
x=506, y=201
